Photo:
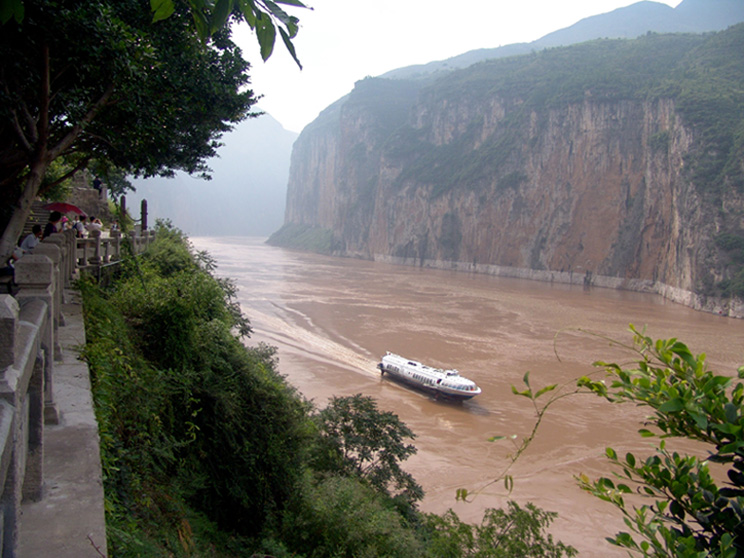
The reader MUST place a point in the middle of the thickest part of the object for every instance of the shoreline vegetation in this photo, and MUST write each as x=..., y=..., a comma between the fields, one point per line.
x=207, y=450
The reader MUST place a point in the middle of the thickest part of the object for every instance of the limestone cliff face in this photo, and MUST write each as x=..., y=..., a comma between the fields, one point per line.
x=493, y=181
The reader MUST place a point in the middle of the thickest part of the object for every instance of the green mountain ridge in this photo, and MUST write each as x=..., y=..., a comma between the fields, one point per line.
x=630, y=141
x=629, y=22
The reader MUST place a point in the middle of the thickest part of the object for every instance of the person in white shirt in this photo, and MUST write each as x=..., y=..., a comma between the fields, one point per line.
x=94, y=224
x=32, y=239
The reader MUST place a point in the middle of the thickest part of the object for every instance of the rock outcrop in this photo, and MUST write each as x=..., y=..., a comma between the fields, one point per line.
x=614, y=163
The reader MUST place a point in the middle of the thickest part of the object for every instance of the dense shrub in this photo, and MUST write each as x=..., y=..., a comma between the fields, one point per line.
x=512, y=532
x=343, y=516
x=182, y=403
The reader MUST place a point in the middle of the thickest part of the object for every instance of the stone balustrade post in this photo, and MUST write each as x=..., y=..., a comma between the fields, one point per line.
x=34, y=275
x=71, y=259
x=95, y=235
x=52, y=251
x=10, y=496
x=58, y=257
x=116, y=245
x=82, y=247
x=133, y=240
x=8, y=330
x=23, y=325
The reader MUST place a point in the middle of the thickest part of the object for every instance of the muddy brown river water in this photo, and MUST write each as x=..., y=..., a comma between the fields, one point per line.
x=333, y=318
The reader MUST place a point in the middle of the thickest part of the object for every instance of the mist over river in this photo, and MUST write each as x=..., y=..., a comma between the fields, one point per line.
x=332, y=319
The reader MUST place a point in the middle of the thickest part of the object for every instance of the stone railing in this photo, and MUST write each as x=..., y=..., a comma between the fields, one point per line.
x=27, y=340
x=29, y=329
x=97, y=249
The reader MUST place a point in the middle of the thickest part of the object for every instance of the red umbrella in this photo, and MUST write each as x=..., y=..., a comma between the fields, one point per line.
x=63, y=207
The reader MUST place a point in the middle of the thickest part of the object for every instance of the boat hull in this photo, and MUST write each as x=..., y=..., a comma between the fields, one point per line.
x=425, y=385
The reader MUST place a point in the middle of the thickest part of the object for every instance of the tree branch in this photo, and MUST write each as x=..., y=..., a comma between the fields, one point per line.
x=43, y=125
x=17, y=124
x=80, y=166
x=30, y=122
x=76, y=130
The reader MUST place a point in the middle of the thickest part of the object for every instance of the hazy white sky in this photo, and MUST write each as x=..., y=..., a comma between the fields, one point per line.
x=342, y=41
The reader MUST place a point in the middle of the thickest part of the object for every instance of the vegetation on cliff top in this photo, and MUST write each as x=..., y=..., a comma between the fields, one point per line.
x=206, y=450
x=701, y=73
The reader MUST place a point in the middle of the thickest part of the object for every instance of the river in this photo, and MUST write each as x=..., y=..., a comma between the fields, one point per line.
x=333, y=318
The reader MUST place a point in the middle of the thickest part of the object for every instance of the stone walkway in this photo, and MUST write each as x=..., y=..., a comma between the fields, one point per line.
x=68, y=522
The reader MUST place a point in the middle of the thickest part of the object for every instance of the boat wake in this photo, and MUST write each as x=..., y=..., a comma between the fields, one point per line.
x=289, y=329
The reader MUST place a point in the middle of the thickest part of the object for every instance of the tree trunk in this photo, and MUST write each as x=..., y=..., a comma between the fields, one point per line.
x=43, y=156
x=23, y=209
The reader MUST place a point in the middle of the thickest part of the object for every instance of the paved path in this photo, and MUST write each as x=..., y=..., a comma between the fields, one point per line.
x=69, y=520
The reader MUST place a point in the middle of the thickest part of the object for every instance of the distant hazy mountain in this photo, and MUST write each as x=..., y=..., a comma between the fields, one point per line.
x=246, y=195
x=691, y=16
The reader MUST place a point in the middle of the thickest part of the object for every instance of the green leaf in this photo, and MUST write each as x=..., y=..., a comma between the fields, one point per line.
x=545, y=390
x=290, y=47
x=732, y=447
x=292, y=3
x=727, y=428
x=681, y=350
x=509, y=483
x=700, y=420
x=220, y=14
x=645, y=433
x=277, y=12
x=266, y=34
x=161, y=9
x=11, y=9
x=200, y=22
x=732, y=412
x=630, y=459
x=247, y=8
x=496, y=438
x=525, y=393
x=676, y=508
x=672, y=406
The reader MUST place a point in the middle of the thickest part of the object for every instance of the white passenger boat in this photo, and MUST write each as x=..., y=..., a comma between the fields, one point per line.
x=445, y=383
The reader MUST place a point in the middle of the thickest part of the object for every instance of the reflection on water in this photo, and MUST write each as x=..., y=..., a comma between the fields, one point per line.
x=332, y=319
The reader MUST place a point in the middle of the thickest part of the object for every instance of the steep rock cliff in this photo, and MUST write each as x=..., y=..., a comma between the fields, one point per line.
x=618, y=158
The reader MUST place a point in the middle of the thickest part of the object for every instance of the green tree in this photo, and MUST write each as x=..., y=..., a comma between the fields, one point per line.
x=690, y=514
x=344, y=516
x=357, y=439
x=99, y=80
x=263, y=16
x=515, y=532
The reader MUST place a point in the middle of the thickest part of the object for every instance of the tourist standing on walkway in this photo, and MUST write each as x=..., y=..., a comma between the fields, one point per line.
x=94, y=224
x=80, y=226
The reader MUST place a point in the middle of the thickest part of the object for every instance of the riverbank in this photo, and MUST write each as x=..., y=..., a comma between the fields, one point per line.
x=730, y=307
